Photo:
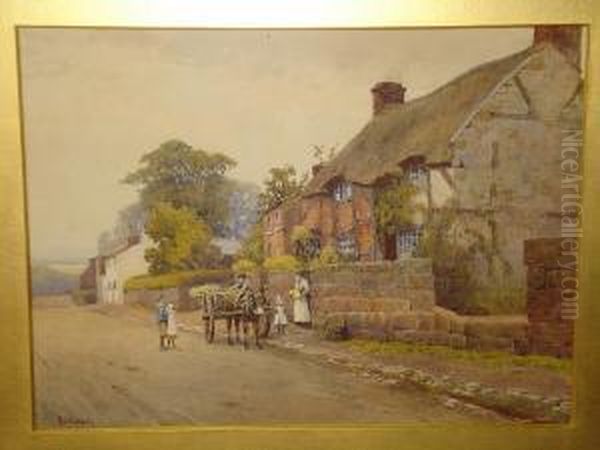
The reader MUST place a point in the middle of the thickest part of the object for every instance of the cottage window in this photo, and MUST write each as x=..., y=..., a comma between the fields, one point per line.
x=342, y=191
x=408, y=239
x=417, y=174
x=346, y=246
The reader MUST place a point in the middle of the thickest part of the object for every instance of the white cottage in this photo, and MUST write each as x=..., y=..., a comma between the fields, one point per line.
x=115, y=268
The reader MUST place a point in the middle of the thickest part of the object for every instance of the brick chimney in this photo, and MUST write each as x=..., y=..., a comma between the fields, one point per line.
x=387, y=93
x=566, y=38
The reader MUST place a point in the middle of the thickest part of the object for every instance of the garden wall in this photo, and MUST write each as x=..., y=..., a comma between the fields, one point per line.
x=366, y=287
x=551, y=317
x=396, y=300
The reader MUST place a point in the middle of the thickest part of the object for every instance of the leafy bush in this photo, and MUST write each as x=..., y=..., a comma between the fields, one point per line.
x=174, y=279
x=395, y=206
x=306, y=243
x=329, y=256
x=285, y=263
x=244, y=266
x=501, y=300
x=335, y=328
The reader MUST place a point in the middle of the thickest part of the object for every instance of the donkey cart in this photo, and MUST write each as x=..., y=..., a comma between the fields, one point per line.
x=235, y=308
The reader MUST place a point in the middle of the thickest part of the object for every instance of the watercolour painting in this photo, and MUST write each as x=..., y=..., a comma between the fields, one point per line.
x=303, y=226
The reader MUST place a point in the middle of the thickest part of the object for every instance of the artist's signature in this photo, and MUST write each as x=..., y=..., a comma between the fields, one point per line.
x=72, y=421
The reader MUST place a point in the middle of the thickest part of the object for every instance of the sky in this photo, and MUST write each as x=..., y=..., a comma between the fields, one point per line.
x=94, y=101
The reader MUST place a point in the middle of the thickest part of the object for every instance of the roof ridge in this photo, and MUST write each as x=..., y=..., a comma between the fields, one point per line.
x=426, y=123
x=529, y=51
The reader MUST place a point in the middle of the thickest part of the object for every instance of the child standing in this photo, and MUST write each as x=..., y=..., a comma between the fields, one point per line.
x=162, y=318
x=171, y=326
x=280, y=319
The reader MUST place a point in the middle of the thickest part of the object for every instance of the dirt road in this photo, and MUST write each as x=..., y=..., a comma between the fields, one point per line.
x=94, y=368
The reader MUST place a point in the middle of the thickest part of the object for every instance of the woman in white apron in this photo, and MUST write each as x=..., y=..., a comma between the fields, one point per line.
x=300, y=298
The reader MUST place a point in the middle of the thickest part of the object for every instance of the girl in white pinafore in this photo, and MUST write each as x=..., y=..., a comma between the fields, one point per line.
x=171, y=326
x=280, y=319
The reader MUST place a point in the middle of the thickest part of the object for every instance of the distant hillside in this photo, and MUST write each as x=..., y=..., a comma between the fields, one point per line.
x=47, y=279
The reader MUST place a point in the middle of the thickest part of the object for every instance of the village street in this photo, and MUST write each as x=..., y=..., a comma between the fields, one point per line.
x=103, y=367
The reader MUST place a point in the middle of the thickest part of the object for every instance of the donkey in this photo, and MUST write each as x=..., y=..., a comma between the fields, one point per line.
x=236, y=305
x=248, y=314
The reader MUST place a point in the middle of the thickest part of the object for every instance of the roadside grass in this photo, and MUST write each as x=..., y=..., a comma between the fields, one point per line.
x=184, y=278
x=493, y=359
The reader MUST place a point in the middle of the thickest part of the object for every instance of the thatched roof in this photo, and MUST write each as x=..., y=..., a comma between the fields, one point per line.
x=421, y=127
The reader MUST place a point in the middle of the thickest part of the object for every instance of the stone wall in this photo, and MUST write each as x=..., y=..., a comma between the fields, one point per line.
x=551, y=331
x=436, y=327
x=406, y=281
x=396, y=300
x=382, y=287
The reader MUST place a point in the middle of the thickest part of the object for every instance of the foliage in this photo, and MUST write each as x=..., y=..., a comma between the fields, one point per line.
x=306, y=244
x=394, y=206
x=253, y=246
x=244, y=266
x=285, y=263
x=175, y=279
x=181, y=239
x=328, y=256
x=334, y=328
x=479, y=280
x=495, y=359
x=498, y=300
x=130, y=223
x=176, y=173
x=282, y=184
x=202, y=290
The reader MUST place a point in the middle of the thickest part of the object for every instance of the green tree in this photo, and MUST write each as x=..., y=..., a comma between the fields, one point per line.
x=176, y=173
x=282, y=184
x=306, y=244
x=180, y=238
x=394, y=206
x=253, y=246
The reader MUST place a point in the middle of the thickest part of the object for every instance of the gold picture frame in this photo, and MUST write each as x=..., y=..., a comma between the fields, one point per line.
x=16, y=409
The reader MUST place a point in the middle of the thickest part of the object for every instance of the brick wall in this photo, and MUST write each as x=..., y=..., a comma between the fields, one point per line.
x=549, y=331
x=326, y=216
x=278, y=225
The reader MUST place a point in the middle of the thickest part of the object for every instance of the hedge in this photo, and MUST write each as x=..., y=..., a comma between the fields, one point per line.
x=284, y=263
x=174, y=279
